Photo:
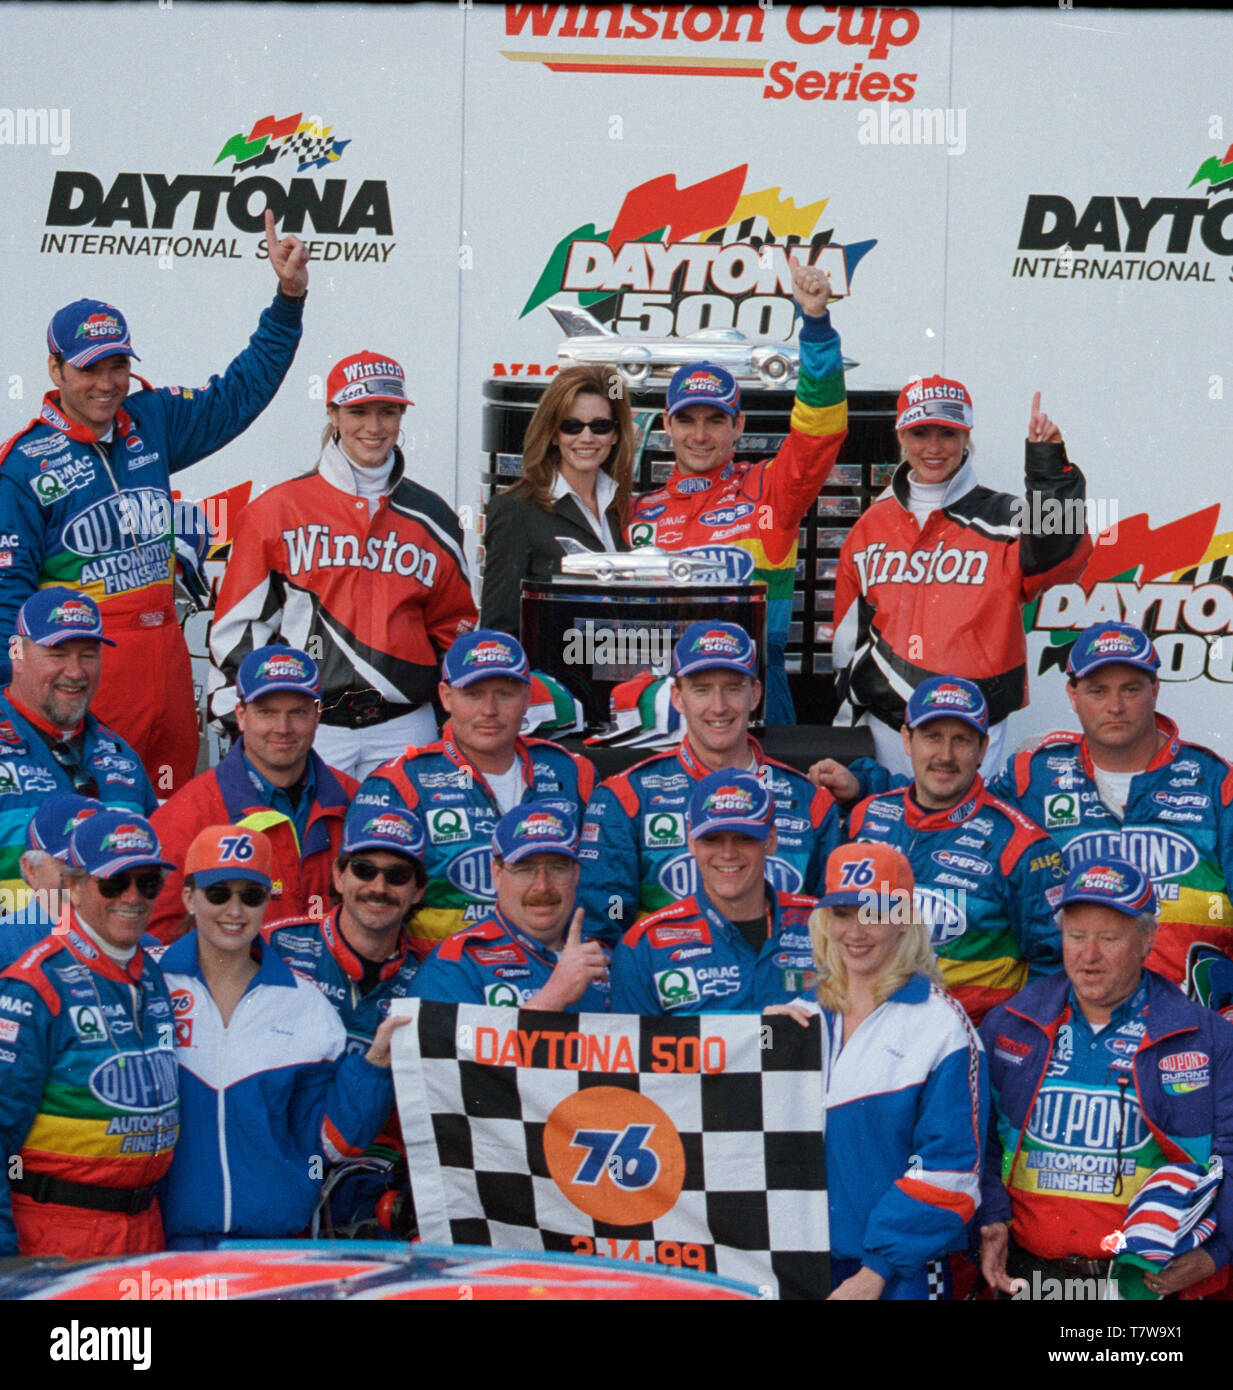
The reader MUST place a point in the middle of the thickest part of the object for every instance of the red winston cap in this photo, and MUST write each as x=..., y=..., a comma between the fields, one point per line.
x=934, y=400
x=366, y=376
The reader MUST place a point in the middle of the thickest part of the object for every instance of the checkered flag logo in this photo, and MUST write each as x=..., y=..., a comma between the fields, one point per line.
x=312, y=144
x=694, y=1142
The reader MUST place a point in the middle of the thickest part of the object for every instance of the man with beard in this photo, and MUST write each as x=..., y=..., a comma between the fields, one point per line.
x=50, y=743
x=358, y=955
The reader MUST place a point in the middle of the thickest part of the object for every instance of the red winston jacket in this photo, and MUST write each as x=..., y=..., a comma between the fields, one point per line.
x=948, y=599
x=375, y=601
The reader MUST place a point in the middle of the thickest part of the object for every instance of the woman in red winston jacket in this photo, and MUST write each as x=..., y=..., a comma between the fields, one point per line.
x=934, y=577
x=356, y=564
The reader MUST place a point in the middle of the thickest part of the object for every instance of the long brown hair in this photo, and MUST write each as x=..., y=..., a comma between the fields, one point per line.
x=540, y=456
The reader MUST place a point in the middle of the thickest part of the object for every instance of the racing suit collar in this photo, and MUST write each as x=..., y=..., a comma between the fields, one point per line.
x=697, y=769
x=1135, y=1003
x=183, y=957
x=80, y=945
x=33, y=717
x=719, y=923
x=685, y=484
x=960, y=482
x=455, y=754
x=348, y=959
x=528, y=943
x=1163, y=756
x=52, y=415
x=918, y=818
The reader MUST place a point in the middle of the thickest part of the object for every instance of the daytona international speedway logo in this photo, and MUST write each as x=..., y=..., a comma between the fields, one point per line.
x=308, y=142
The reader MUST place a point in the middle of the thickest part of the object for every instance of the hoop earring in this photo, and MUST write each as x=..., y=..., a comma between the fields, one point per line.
x=401, y=439
x=335, y=436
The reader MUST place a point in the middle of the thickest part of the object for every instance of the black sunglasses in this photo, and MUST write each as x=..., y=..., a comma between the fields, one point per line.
x=396, y=875
x=149, y=885
x=83, y=783
x=251, y=895
x=600, y=427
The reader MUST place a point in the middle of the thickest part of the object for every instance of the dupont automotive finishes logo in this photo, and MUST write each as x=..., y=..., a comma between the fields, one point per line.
x=848, y=45
x=276, y=163
x=713, y=254
x=1174, y=580
x=1124, y=237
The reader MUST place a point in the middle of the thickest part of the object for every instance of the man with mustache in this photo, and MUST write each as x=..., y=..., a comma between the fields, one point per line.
x=358, y=955
x=987, y=878
x=529, y=953
x=50, y=743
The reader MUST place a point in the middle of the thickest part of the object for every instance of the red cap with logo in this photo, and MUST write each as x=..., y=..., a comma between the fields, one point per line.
x=221, y=853
x=366, y=376
x=873, y=875
x=934, y=400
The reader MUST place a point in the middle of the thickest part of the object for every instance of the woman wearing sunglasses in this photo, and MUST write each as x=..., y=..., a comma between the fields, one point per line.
x=268, y=1099
x=577, y=482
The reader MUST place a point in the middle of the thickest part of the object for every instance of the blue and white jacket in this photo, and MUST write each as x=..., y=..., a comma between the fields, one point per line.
x=907, y=1101
x=267, y=1102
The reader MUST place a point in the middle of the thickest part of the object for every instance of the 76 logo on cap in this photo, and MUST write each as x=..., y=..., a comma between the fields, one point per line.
x=238, y=848
x=856, y=873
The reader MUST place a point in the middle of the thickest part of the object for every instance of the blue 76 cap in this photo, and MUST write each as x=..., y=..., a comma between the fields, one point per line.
x=52, y=825
x=948, y=697
x=1104, y=644
x=271, y=669
x=728, y=800
x=703, y=383
x=394, y=829
x=60, y=614
x=538, y=827
x=707, y=646
x=109, y=842
x=1115, y=883
x=477, y=655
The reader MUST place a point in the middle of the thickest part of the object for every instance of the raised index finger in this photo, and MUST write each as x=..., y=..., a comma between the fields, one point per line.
x=574, y=936
x=271, y=241
x=1036, y=404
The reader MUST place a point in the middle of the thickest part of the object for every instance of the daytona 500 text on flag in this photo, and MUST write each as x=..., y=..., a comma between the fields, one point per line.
x=691, y=1141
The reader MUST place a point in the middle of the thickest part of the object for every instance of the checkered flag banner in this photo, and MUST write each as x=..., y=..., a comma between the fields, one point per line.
x=693, y=1141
